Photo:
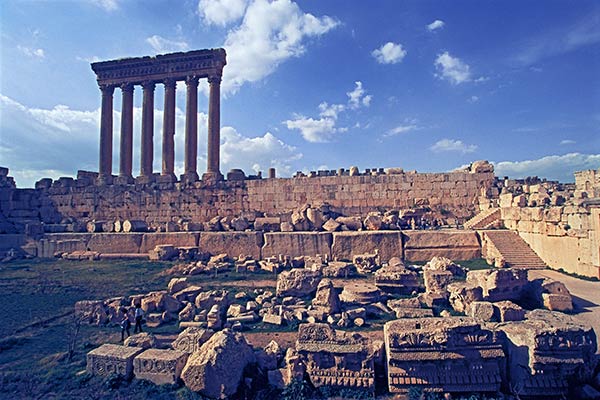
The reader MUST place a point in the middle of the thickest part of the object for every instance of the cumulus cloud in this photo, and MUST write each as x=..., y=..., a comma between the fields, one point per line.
x=221, y=12
x=452, y=69
x=161, y=45
x=324, y=129
x=389, y=53
x=257, y=153
x=555, y=167
x=270, y=33
x=37, y=143
x=90, y=60
x=437, y=24
x=314, y=130
x=357, y=97
x=445, y=145
x=31, y=52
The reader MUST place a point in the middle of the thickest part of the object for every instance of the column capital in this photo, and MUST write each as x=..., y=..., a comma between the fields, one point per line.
x=169, y=82
x=149, y=85
x=214, y=79
x=192, y=80
x=106, y=89
x=127, y=87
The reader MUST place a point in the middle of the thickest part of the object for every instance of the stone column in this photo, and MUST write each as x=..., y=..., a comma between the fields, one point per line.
x=191, y=130
x=126, y=149
x=106, y=135
x=147, y=129
x=214, y=127
x=168, y=143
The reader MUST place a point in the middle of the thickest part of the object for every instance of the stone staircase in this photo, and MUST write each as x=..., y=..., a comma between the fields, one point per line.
x=484, y=220
x=513, y=249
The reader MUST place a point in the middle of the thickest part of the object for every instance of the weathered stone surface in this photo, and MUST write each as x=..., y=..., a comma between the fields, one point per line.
x=505, y=311
x=92, y=311
x=462, y=294
x=112, y=359
x=557, y=302
x=163, y=252
x=451, y=354
x=347, y=244
x=437, y=281
x=481, y=310
x=177, y=284
x=177, y=239
x=336, y=358
x=444, y=264
x=142, y=340
x=327, y=297
x=115, y=242
x=273, y=319
x=455, y=245
x=360, y=293
x=216, y=370
x=331, y=225
x=397, y=279
x=297, y=282
x=232, y=243
x=191, y=339
x=499, y=284
x=267, y=224
x=373, y=222
x=338, y=269
x=295, y=244
x=351, y=223
x=548, y=344
x=160, y=366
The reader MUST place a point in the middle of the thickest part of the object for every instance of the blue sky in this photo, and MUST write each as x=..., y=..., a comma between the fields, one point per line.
x=425, y=85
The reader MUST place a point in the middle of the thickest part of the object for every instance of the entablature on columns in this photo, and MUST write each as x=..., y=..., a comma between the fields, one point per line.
x=177, y=66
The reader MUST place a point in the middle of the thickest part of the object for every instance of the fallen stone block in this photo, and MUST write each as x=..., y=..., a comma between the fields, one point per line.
x=112, y=359
x=160, y=366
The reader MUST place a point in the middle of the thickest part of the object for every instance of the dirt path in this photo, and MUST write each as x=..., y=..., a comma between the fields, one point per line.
x=586, y=296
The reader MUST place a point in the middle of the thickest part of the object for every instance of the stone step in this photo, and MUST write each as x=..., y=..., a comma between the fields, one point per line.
x=515, y=251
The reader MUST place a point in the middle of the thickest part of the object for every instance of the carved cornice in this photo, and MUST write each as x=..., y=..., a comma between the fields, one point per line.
x=127, y=88
x=177, y=66
x=107, y=90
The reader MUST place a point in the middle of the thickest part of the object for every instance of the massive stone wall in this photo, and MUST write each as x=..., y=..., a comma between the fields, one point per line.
x=454, y=194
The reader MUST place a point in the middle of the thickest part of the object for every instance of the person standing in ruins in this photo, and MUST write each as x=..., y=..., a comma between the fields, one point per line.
x=125, y=324
x=139, y=315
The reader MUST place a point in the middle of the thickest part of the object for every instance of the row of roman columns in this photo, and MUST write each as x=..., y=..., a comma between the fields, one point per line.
x=168, y=142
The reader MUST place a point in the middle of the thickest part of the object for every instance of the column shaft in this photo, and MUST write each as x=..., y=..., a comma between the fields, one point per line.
x=191, y=128
x=147, y=129
x=126, y=149
x=168, y=144
x=106, y=132
x=214, y=127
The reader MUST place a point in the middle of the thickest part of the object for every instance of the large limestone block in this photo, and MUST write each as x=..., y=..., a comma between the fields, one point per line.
x=112, y=359
x=455, y=245
x=216, y=370
x=232, y=243
x=160, y=366
x=115, y=242
x=297, y=282
x=177, y=239
x=297, y=244
x=347, y=244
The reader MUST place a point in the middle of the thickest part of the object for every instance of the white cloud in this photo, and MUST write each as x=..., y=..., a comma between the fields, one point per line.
x=400, y=129
x=357, y=97
x=221, y=12
x=389, y=53
x=324, y=129
x=257, y=153
x=452, y=69
x=473, y=99
x=270, y=33
x=314, y=130
x=556, y=167
x=445, y=145
x=437, y=24
x=31, y=52
x=162, y=45
x=567, y=141
x=107, y=5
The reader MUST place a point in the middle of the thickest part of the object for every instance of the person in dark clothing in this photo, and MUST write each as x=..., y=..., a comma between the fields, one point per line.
x=139, y=316
x=125, y=324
